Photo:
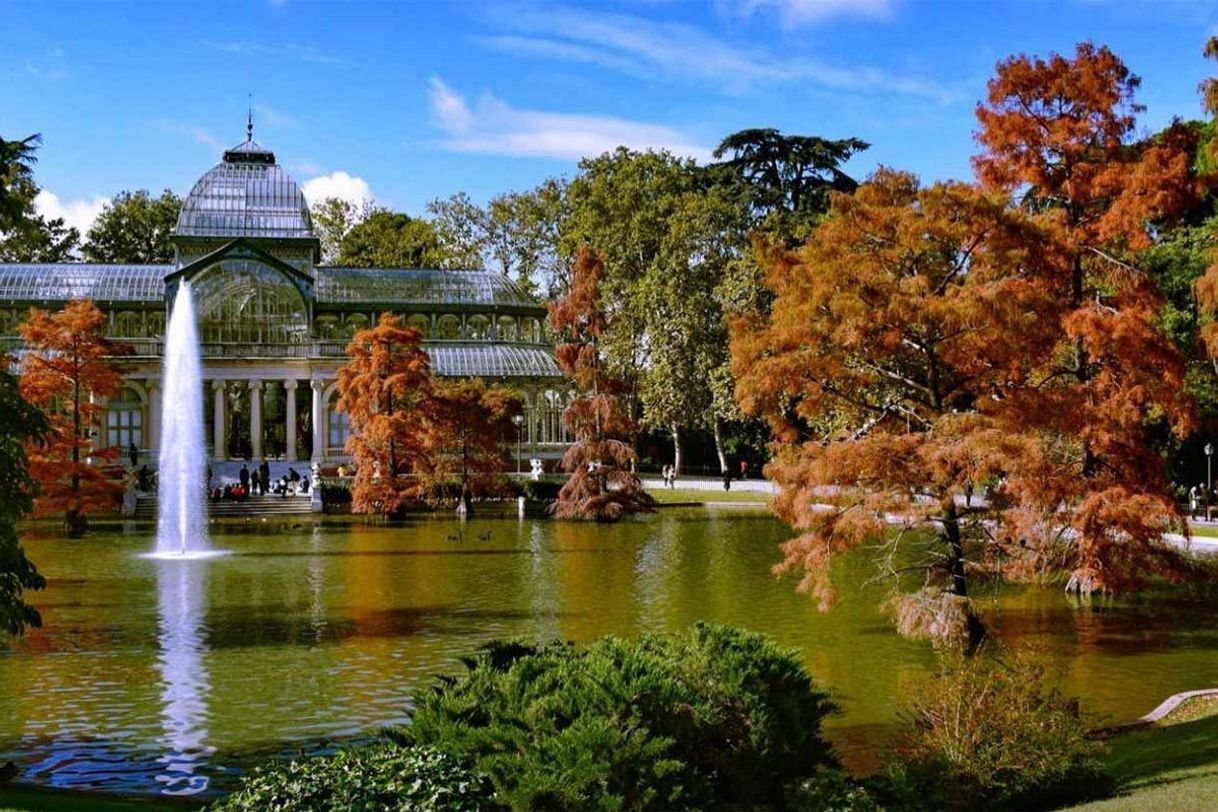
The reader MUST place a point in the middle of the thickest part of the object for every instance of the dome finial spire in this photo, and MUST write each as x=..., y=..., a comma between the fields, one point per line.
x=249, y=119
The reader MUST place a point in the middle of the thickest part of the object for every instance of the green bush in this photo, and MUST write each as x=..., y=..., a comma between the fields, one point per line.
x=713, y=717
x=384, y=778
x=994, y=734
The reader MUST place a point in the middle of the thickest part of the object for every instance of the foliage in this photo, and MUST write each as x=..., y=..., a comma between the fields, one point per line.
x=20, y=424
x=69, y=367
x=25, y=235
x=385, y=239
x=468, y=435
x=996, y=734
x=541, y=490
x=602, y=485
x=524, y=235
x=386, y=778
x=386, y=388
x=461, y=228
x=17, y=161
x=134, y=227
x=333, y=218
x=887, y=331
x=710, y=718
x=786, y=180
x=1060, y=129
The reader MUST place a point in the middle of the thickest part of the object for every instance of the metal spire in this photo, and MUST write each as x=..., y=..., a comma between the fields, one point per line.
x=249, y=121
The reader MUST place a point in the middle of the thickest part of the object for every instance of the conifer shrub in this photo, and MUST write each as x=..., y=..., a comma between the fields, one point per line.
x=384, y=778
x=710, y=718
x=994, y=733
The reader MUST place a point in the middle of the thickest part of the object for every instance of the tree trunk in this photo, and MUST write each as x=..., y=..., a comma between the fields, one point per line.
x=975, y=629
x=717, y=426
x=676, y=448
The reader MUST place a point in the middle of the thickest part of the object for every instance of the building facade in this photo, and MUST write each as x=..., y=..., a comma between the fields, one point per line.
x=274, y=323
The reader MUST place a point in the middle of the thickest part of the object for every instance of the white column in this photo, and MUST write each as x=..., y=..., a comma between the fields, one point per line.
x=318, y=418
x=220, y=450
x=152, y=433
x=289, y=387
x=256, y=418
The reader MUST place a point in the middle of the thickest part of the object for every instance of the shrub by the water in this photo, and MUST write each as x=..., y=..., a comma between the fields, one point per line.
x=995, y=733
x=714, y=717
x=383, y=778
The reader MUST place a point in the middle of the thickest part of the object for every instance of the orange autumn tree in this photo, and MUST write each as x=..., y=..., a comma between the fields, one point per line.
x=877, y=370
x=68, y=369
x=386, y=389
x=1059, y=133
x=468, y=436
x=601, y=486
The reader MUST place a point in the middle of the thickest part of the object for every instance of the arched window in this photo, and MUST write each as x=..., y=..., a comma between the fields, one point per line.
x=125, y=420
x=448, y=327
x=243, y=301
x=128, y=324
x=528, y=330
x=421, y=323
x=156, y=324
x=354, y=323
x=507, y=328
x=478, y=328
x=327, y=327
x=339, y=427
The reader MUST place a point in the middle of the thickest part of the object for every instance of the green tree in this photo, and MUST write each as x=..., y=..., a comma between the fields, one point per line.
x=333, y=219
x=386, y=239
x=17, y=161
x=785, y=179
x=524, y=237
x=462, y=231
x=20, y=423
x=134, y=227
x=25, y=235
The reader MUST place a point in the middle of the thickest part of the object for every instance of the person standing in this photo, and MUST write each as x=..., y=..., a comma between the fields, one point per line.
x=134, y=454
x=744, y=469
x=727, y=479
x=264, y=468
x=255, y=484
x=244, y=477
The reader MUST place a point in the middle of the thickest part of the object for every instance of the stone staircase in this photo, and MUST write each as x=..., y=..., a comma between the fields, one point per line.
x=268, y=505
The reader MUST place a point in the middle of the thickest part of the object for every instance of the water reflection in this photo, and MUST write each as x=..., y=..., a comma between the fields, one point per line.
x=181, y=609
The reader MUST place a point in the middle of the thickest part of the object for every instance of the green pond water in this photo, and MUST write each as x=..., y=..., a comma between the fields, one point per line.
x=167, y=677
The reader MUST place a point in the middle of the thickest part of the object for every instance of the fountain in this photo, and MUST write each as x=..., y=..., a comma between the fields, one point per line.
x=181, y=516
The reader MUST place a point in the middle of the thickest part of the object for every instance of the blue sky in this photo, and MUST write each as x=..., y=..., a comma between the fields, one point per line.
x=411, y=101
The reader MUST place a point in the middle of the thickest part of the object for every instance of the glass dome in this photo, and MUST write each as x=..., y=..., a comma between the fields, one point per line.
x=247, y=194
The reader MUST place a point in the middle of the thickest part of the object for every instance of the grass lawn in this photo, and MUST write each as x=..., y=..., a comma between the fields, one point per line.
x=709, y=497
x=1208, y=532
x=1166, y=768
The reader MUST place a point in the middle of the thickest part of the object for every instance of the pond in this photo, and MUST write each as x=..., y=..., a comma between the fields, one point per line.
x=163, y=677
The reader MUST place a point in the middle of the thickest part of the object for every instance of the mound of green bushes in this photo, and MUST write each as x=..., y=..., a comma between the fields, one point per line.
x=714, y=717
x=383, y=778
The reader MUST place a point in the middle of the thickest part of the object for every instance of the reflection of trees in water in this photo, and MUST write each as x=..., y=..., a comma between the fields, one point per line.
x=184, y=680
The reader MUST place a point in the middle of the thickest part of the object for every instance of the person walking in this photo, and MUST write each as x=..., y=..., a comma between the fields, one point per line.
x=1192, y=502
x=727, y=479
x=744, y=469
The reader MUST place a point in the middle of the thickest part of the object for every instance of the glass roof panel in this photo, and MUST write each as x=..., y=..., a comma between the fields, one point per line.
x=492, y=361
x=63, y=281
x=394, y=286
x=245, y=195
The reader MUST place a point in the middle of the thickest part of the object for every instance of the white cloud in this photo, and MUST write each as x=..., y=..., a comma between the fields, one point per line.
x=78, y=214
x=448, y=109
x=681, y=52
x=802, y=12
x=337, y=184
x=494, y=127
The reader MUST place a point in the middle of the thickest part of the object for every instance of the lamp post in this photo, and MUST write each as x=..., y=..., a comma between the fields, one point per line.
x=519, y=421
x=1209, y=477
